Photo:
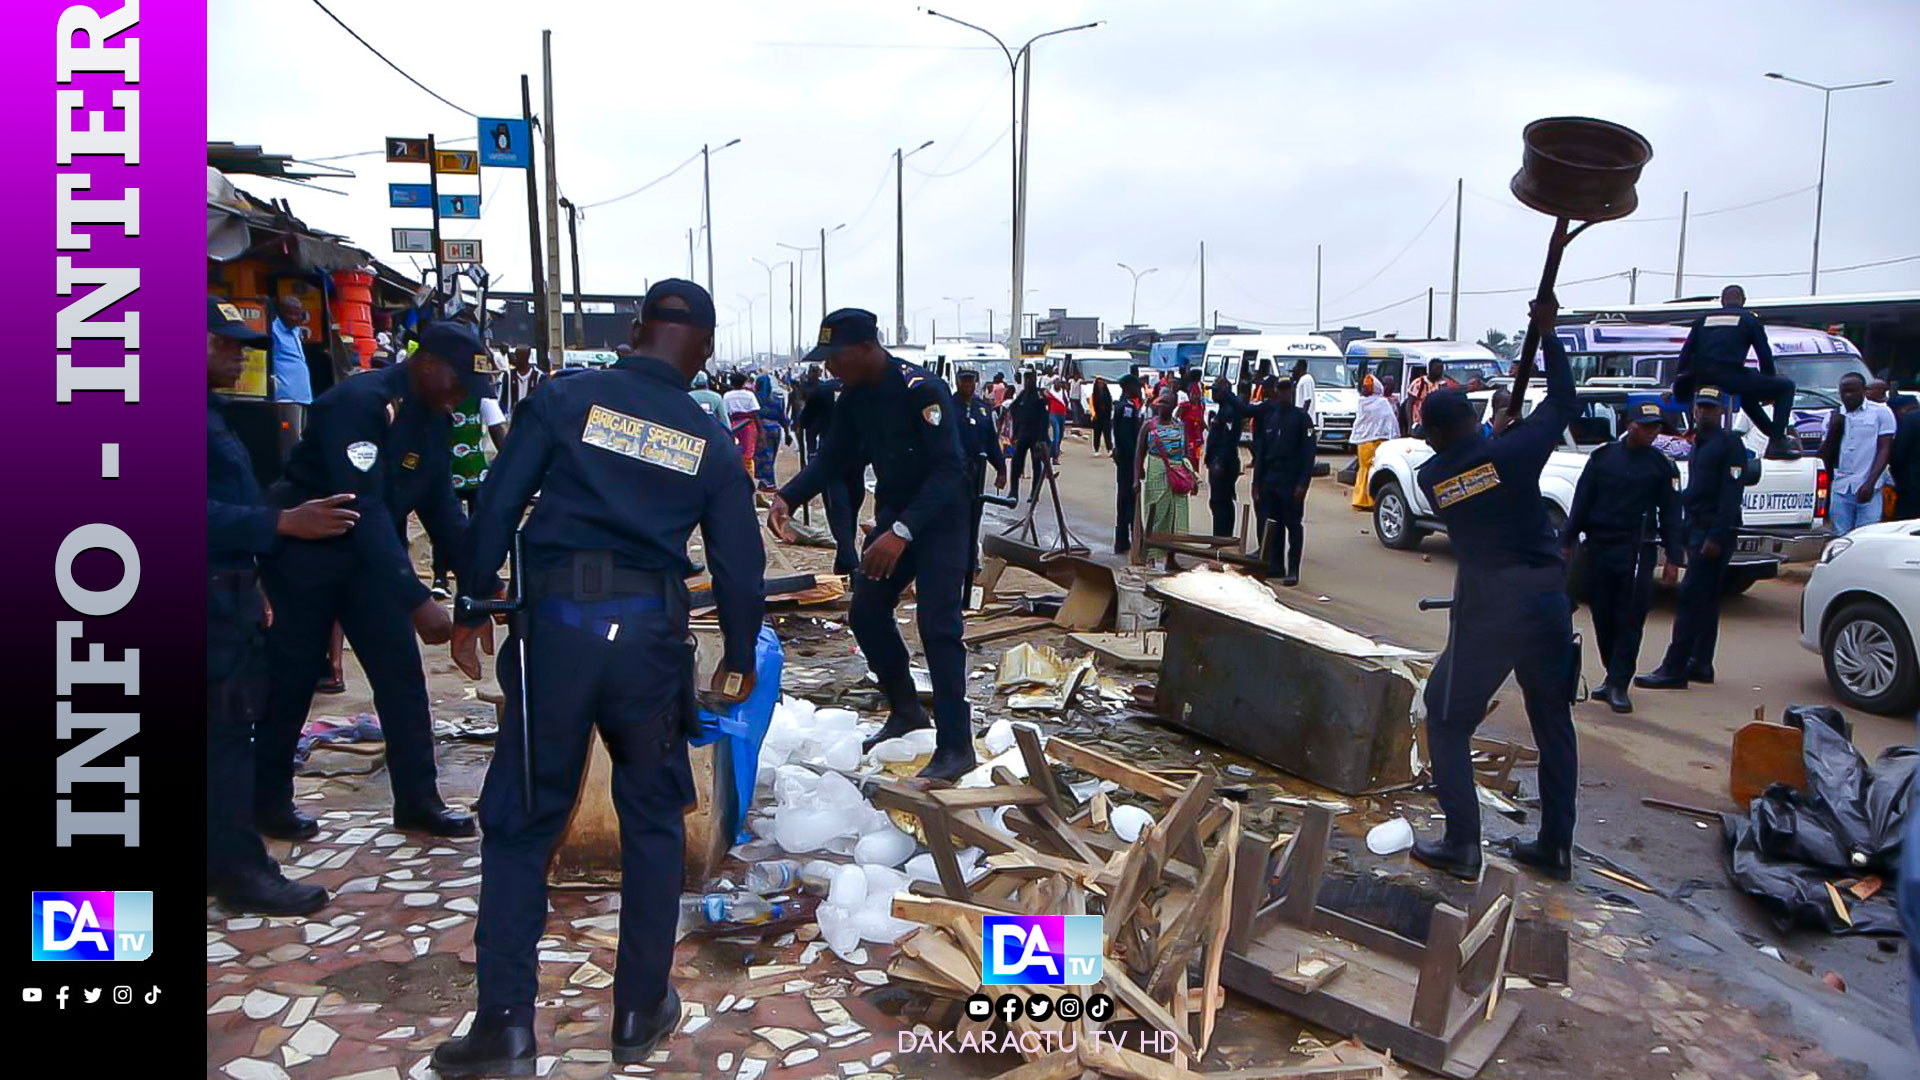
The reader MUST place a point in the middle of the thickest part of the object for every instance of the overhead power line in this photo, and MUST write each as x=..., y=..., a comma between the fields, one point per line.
x=695, y=156
x=1444, y=203
x=375, y=153
x=389, y=63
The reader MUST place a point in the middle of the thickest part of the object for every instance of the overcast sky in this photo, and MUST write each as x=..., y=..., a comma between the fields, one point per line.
x=1261, y=128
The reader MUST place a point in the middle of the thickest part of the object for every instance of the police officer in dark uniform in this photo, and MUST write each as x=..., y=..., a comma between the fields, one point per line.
x=980, y=442
x=844, y=495
x=1283, y=450
x=903, y=420
x=626, y=464
x=1715, y=480
x=1128, y=412
x=1627, y=500
x=1029, y=420
x=365, y=581
x=241, y=528
x=1715, y=354
x=1222, y=460
x=1510, y=612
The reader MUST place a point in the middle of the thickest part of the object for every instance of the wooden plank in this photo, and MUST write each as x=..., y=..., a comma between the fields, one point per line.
x=1310, y=973
x=1313, y=1070
x=990, y=570
x=1470, y=943
x=1217, y=940
x=943, y=958
x=995, y=629
x=1039, y=770
x=1439, y=971
x=1055, y=1066
x=1249, y=891
x=945, y=861
x=1193, y=922
x=1129, y=993
x=1306, y=862
x=1184, y=814
x=987, y=798
x=1095, y=763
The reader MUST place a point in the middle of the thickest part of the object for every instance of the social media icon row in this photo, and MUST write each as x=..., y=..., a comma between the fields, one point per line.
x=1009, y=1007
x=122, y=995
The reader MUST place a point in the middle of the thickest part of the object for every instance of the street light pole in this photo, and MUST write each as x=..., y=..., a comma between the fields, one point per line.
x=751, y=300
x=1820, y=189
x=956, y=312
x=823, y=265
x=769, y=268
x=706, y=202
x=1133, y=309
x=800, y=293
x=900, y=241
x=1016, y=129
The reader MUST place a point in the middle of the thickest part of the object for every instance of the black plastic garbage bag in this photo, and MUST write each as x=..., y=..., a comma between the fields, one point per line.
x=1847, y=824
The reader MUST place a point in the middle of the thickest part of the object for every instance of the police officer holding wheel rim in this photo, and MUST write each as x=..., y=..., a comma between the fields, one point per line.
x=626, y=464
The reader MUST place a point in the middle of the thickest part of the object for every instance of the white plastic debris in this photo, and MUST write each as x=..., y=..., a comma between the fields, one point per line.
x=999, y=737
x=886, y=846
x=1390, y=837
x=914, y=744
x=1129, y=821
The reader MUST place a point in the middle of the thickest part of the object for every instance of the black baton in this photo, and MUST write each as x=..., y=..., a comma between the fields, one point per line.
x=514, y=607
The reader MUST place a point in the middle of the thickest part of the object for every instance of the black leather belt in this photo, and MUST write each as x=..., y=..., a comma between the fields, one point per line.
x=593, y=577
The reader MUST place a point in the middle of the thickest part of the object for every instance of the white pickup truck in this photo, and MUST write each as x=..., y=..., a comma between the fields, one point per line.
x=1783, y=517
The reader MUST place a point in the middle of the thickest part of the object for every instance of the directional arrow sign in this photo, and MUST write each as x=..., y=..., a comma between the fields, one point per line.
x=457, y=162
x=411, y=195
x=402, y=149
x=459, y=206
x=459, y=251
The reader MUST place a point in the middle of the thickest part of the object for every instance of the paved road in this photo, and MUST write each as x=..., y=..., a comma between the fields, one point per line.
x=1678, y=738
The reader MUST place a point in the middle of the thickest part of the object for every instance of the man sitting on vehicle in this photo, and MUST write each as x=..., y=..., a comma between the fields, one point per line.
x=1715, y=354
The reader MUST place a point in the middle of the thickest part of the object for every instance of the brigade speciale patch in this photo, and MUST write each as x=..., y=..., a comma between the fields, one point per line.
x=931, y=414
x=1475, y=481
x=1723, y=320
x=362, y=455
x=644, y=440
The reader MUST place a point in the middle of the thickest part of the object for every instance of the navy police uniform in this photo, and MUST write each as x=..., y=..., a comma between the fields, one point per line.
x=1283, y=450
x=980, y=442
x=364, y=581
x=1715, y=354
x=240, y=529
x=1127, y=416
x=1626, y=504
x=1223, y=469
x=1030, y=436
x=626, y=464
x=1715, y=472
x=1511, y=613
x=844, y=495
x=908, y=427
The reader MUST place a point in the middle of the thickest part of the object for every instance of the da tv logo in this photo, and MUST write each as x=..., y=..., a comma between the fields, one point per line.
x=92, y=925
x=1041, y=950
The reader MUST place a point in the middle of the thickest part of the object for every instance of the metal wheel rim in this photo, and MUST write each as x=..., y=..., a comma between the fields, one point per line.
x=1392, y=516
x=1865, y=658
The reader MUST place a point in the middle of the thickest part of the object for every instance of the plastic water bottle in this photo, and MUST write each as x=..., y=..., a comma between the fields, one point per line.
x=772, y=876
x=730, y=909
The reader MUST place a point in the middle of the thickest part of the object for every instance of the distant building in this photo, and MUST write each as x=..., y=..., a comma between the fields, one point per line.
x=1062, y=329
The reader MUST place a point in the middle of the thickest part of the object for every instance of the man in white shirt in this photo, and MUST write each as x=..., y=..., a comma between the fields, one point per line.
x=1864, y=446
x=520, y=379
x=1303, y=393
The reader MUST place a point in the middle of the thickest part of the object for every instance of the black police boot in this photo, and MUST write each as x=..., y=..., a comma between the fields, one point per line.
x=1616, y=698
x=1290, y=580
x=493, y=1046
x=907, y=715
x=1661, y=679
x=1552, y=860
x=952, y=758
x=636, y=1031
x=1782, y=449
x=261, y=890
x=1122, y=542
x=1460, y=860
x=1701, y=673
x=434, y=819
x=285, y=823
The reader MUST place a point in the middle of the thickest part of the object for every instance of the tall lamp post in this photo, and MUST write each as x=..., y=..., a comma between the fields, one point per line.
x=706, y=201
x=800, y=293
x=1820, y=189
x=1019, y=144
x=823, y=265
x=1133, y=309
x=770, y=268
x=752, y=300
x=957, y=304
x=900, y=241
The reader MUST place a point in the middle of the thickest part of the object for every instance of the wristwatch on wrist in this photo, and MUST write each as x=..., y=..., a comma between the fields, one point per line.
x=900, y=530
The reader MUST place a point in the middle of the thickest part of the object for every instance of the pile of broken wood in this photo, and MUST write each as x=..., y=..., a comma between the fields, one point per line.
x=1165, y=901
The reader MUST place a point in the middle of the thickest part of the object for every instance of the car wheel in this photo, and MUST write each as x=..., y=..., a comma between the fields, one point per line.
x=1393, y=519
x=1870, y=662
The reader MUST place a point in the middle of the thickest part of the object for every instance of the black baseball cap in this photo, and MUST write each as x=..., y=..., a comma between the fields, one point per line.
x=1709, y=395
x=968, y=373
x=1445, y=408
x=1646, y=412
x=224, y=319
x=846, y=326
x=458, y=344
x=698, y=312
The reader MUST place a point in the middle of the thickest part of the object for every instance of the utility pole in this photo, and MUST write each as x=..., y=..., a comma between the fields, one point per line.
x=1203, y=289
x=539, y=283
x=1453, y=295
x=823, y=272
x=573, y=243
x=556, y=345
x=433, y=200
x=1633, y=285
x=899, y=247
x=1429, y=312
x=990, y=325
x=1020, y=205
x=1316, y=288
x=706, y=207
x=689, y=254
x=793, y=323
x=1680, y=264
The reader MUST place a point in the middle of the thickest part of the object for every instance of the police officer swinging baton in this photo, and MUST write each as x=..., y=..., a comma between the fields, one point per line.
x=1575, y=169
x=514, y=607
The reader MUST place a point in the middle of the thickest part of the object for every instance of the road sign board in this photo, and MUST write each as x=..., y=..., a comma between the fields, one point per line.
x=400, y=148
x=506, y=143
x=459, y=206
x=459, y=251
x=411, y=195
x=456, y=162
x=413, y=240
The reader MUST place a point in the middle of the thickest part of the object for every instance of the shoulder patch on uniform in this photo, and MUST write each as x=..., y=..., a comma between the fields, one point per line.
x=1475, y=481
x=1736, y=470
x=410, y=461
x=362, y=455
x=931, y=414
x=1723, y=320
x=643, y=440
x=914, y=380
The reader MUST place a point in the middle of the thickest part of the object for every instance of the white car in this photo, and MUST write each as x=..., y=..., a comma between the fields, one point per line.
x=1858, y=612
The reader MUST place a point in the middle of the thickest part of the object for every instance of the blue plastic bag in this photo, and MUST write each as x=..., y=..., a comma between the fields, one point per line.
x=743, y=727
